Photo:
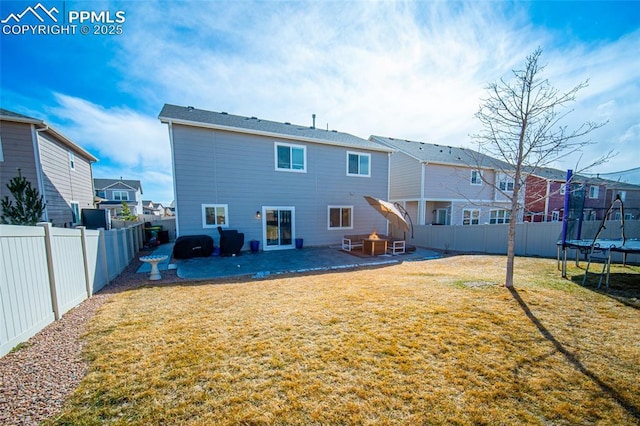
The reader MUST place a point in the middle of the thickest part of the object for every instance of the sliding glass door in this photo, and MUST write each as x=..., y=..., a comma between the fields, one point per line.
x=278, y=227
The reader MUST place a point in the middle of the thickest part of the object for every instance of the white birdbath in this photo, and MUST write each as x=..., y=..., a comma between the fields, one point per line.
x=154, y=260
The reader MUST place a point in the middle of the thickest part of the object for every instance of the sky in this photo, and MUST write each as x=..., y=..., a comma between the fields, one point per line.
x=409, y=70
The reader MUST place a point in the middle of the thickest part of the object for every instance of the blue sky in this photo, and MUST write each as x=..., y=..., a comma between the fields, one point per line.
x=414, y=70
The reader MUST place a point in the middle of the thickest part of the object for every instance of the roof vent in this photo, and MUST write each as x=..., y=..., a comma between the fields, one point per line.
x=190, y=108
x=334, y=131
x=254, y=118
x=287, y=123
x=224, y=113
x=391, y=139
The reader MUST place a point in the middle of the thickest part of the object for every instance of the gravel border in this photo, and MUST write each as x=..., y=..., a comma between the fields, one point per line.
x=37, y=378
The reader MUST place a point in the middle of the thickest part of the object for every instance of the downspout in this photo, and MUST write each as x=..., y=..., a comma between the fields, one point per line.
x=39, y=172
x=173, y=171
x=422, y=208
x=546, y=201
x=388, y=183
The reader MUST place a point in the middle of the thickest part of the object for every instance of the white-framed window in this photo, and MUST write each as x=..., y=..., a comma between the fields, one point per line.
x=555, y=216
x=1, y=154
x=358, y=164
x=476, y=177
x=622, y=195
x=290, y=158
x=214, y=215
x=593, y=191
x=470, y=216
x=499, y=216
x=72, y=161
x=563, y=188
x=75, y=212
x=506, y=183
x=121, y=195
x=340, y=217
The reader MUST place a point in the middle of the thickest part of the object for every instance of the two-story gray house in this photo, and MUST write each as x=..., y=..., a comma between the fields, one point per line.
x=113, y=192
x=51, y=162
x=444, y=185
x=273, y=181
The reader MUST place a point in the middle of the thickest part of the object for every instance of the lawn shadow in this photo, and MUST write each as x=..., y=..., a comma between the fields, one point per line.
x=624, y=287
x=573, y=360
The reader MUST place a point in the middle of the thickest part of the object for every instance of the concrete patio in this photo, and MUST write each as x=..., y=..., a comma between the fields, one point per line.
x=267, y=263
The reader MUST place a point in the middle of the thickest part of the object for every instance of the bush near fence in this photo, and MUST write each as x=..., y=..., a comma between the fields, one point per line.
x=46, y=271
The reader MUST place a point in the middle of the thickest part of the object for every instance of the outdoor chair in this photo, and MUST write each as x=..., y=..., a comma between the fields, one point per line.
x=397, y=247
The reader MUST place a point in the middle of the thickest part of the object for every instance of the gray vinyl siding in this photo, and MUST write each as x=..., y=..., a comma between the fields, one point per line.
x=405, y=177
x=221, y=167
x=17, y=149
x=443, y=182
x=61, y=183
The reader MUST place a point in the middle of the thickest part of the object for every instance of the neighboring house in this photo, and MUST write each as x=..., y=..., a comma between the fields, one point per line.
x=56, y=166
x=113, y=192
x=545, y=195
x=274, y=182
x=151, y=208
x=444, y=185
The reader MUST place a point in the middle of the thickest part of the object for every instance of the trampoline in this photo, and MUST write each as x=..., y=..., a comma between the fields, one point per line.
x=595, y=249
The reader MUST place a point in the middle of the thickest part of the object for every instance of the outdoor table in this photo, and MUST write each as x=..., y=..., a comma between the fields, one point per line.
x=375, y=246
x=154, y=260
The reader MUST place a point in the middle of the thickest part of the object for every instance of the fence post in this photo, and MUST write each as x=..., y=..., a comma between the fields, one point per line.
x=87, y=279
x=52, y=275
x=103, y=249
x=125, y=247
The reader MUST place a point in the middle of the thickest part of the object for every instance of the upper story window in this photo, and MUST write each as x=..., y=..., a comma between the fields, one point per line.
x=72, y=161
x=214, y=215
x=622, y=195
x=476, y=177
x=121, y=195
x=563, y=188
x=470, y=216
x=593, y=191
x=1, y=154
x=291, y=158
x=505, y=183
x=358, y=164
x=340, y=217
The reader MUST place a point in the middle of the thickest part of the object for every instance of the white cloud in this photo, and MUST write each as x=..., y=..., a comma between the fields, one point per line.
x=134, y=145
x=413, y=70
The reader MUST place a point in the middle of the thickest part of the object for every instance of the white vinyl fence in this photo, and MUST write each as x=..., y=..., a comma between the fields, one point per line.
x=532, y=239
x=46, y=271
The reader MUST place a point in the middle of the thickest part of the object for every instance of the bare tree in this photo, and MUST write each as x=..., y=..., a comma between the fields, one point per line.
x=522, y=127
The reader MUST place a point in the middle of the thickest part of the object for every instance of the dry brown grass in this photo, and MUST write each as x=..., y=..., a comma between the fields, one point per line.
x=433, y=342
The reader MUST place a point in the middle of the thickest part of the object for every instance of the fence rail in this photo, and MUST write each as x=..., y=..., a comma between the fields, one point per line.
x=47, y=271
x=532, y=239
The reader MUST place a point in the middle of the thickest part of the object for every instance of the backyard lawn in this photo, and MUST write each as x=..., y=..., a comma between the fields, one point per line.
x=430, y=342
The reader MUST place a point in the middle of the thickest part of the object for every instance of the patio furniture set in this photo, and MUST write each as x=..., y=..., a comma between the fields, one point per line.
x=374, y=244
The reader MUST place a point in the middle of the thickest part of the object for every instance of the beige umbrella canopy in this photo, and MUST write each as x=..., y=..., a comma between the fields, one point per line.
x=389, y=211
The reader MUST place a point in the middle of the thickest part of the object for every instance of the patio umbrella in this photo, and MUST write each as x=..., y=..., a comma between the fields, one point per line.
x=389, y=211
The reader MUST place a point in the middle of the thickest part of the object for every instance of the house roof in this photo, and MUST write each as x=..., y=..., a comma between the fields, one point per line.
x=6, y=115
x=100, y=184
x=441, y=154
x=236, y=123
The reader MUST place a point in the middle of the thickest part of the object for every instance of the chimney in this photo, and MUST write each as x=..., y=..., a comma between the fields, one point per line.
x=314, y=121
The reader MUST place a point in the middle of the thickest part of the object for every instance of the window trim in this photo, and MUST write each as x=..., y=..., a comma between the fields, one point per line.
x=479, y=181
x=555, y=216
x=341, y=207
x=471, y=216
x=1, y=152
x=291, y=147
x=206, y=225
x=507, y=180
x=119, y=191
x=76, y=219
x=499, y=220
x=359, y=154
x=596, y=192
x=72, y=160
